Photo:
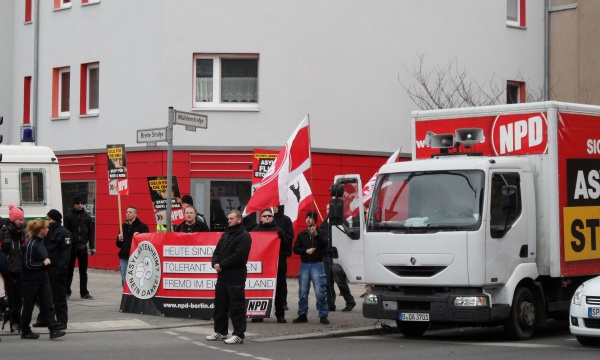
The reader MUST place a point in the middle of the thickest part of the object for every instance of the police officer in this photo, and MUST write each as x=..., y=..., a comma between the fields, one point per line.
x=58, y=245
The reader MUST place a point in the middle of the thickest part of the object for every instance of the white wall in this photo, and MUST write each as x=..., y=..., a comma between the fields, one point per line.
x=6, y=66
x=338, y=60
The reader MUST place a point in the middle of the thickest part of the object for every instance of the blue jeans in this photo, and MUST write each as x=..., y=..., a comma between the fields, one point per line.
x=123, y=269
x=312, y=273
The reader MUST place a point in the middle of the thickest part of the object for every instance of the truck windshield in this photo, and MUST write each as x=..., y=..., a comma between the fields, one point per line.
x=427, y=201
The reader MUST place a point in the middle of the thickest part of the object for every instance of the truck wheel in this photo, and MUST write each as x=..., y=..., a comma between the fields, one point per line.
x=587, y=341
x=521, y=321
x=412, y=329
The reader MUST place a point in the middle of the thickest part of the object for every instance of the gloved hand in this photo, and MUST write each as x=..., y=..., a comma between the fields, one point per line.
x=93, y=252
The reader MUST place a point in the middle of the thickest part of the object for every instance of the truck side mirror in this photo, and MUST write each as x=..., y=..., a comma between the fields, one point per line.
x=337, y=190
x=509, y=200
x=336, y=211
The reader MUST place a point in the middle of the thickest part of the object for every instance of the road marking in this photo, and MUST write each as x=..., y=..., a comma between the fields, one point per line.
x=231, y=351
x=496, y=344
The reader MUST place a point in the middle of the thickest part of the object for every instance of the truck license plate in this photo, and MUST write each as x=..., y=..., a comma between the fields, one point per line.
x=593, y=312
x=413, y=316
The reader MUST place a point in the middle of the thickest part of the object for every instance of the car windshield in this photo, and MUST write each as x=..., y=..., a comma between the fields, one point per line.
x=427, y=201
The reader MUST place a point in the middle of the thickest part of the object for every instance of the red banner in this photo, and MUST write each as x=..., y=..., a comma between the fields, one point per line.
x=510, y=134
x=170, y=274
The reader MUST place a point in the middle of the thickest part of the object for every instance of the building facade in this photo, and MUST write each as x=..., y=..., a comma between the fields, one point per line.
x=83, y=74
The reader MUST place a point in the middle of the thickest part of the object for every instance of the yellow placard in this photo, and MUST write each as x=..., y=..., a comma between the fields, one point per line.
x=115, y=153
x=158, y=185
x=581, y=230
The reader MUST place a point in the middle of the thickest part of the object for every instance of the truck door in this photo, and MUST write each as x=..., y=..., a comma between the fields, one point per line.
x=348, y=239
x=506, y=244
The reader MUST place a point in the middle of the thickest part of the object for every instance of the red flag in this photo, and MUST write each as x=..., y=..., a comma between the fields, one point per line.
x=298, y=197
x=368, y=188
x=290, y=163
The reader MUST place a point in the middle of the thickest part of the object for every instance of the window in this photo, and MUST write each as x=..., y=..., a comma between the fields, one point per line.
x=28, y=11
x=61, y=82
x=27, y=100
x=62, y=4
x=501, y=220
x=226, y=82
x=89, y=2
x=32, y=186
x=515, y=13
x=89, y=101
x=515, y=92
x=84, y=189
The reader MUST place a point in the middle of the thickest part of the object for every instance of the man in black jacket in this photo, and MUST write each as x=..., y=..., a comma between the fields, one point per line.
x=286, y=224
x=80, y=224
x=229, y=260
x=310, y=245
x=191, y=223
x=131, y=227
x=58, y=245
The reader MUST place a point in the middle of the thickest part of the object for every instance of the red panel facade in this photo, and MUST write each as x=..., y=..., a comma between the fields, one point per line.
x=189, y=165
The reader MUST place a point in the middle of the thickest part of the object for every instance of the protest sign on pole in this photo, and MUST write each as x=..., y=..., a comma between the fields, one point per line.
x=158, y=193
x=117, y=175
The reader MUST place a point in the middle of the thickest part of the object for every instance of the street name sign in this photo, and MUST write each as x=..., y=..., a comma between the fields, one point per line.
x=151, y=135
x=191, y=119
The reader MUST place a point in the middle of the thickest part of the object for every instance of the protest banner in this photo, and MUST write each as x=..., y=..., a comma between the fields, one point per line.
x=170, y=274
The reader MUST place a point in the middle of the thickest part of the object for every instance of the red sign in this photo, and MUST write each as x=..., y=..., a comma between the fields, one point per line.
x=514, y=134
x=170, y=274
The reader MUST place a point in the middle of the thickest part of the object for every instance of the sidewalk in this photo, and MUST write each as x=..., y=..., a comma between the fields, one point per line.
x=102, y=314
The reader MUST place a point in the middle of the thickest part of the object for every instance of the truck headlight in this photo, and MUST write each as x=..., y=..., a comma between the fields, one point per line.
x=577, y=296
x=470, y=301
x=371, y=299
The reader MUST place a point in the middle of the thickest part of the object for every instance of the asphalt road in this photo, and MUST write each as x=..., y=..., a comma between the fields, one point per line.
x=553, y=342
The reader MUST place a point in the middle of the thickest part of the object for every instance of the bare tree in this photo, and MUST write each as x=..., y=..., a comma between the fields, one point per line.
x=449, y=87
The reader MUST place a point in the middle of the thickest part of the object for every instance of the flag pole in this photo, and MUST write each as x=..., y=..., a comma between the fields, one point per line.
x=316, y=207
x=311, y=166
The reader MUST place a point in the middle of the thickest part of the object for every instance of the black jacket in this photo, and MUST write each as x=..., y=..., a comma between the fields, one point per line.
x=12, y=242
x=285, y=223
x=198, y=226
x=128, y=231
x=305, y=241
x=284, y=246
x=80, y=224
x=34, y=270
x=58, y=245
x=232, y=253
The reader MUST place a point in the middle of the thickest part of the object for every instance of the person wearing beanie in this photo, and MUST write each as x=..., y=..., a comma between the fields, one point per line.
x=13, y=238
x=186, y=201
x=310, y=245
x=80, y=224
x=58, y=246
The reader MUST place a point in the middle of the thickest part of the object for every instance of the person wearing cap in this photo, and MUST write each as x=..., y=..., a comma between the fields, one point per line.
x=80, y=224
x=58, y=246
x=310, y=245
x=13, y=238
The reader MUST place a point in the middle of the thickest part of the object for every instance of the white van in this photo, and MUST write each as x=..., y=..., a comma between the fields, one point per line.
x=30, y=179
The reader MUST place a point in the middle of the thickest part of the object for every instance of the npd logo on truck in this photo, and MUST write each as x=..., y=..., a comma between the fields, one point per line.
x=520, y=134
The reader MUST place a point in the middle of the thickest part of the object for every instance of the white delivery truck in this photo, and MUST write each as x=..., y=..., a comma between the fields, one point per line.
x=30, y=179
x=495, y=221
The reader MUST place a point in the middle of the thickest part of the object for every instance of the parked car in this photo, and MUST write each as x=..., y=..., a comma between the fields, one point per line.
x=584, y=314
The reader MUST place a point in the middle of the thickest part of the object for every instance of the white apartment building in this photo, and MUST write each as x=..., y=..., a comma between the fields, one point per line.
x=87, y=73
